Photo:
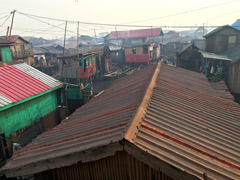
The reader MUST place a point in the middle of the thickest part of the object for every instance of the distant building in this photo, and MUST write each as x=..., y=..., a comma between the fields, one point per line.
x=35, y=42
x=200, y=32
x=135, y=36
x=234, y=70
x=236, y=24
x=92, y=60
x=29, y=102
x=20, y=49
x=222, y=39
x=138, y=53
x=194, y=59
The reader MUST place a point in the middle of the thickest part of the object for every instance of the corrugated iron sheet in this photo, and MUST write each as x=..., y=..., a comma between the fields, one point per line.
x=140, y=33
x=21, y=81
x=100, y=122
x=4, y=101
x=50, y=81
x=214, y=56
x=186, y=125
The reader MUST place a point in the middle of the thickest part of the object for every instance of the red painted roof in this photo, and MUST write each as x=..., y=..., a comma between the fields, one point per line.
x=17, y=85
x=14, y=38
x=140, y=33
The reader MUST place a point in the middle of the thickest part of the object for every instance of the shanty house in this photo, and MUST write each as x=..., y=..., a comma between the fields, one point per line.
x=222, y=39
x=29, y=102
x=192, y=58
x=138, y=53
x=91, y=61
x=117, y=55
x=160, y=122
x=20, y=49
x=5, y=52
x=234, y=72
x=135, y=36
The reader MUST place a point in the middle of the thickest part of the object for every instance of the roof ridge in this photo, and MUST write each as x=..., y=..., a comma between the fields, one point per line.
x=134, y=124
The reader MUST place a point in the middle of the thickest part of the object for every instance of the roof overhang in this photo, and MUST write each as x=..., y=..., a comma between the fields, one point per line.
x=208, y=55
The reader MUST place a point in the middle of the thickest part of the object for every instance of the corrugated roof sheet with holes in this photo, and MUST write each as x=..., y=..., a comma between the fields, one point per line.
x=186, y=124
x=20, y=81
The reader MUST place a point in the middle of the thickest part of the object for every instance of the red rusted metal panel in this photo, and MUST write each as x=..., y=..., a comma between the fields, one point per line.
x=134, y=58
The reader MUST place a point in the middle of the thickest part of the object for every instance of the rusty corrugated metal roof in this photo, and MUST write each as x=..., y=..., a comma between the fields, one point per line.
x=171, y=113
x=100, y=122
x=188, y=127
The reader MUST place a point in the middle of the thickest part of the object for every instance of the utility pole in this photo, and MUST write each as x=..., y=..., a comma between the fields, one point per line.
x=203, y=29
x=78, y=78
x=64, y=39
x=7, y=32
x=78, y=41
x=117, y=34
x=95, y=36
x=13, y=14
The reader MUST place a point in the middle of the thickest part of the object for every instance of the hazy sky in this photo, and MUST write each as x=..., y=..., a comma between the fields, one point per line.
x=115, y=12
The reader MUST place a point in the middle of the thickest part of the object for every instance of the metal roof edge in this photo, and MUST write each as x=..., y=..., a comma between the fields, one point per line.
x=66, y=160
x=135, y=123
x=29, y=98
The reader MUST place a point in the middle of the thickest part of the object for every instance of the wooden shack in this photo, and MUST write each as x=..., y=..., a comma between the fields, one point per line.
x=189, y=58
x=222, y=39
x=90, y=62
x=20, y=49
x=117, y=55
x=138, y=53
x=193, y=59
x=234, y=71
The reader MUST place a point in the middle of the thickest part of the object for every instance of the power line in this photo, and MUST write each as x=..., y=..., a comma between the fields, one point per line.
x=81, y=22
x=46, y=22
x=104, y=24
x=185, y=12
x=4, y=16
x=6, y=20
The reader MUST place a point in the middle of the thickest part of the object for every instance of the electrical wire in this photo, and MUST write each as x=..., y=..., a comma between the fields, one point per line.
x=185, y=12
x=128, y=24
x=46, y=22
x=5, y=20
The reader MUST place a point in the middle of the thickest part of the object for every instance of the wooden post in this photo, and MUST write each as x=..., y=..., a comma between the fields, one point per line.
x=7, y=32
x=220, y=66
x=117, y=34
x=78, y=41
x=10, y=32
x=95, y=36
x=205, y=67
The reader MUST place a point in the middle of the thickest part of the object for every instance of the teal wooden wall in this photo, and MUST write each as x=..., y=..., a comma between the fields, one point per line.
x=22, y=115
